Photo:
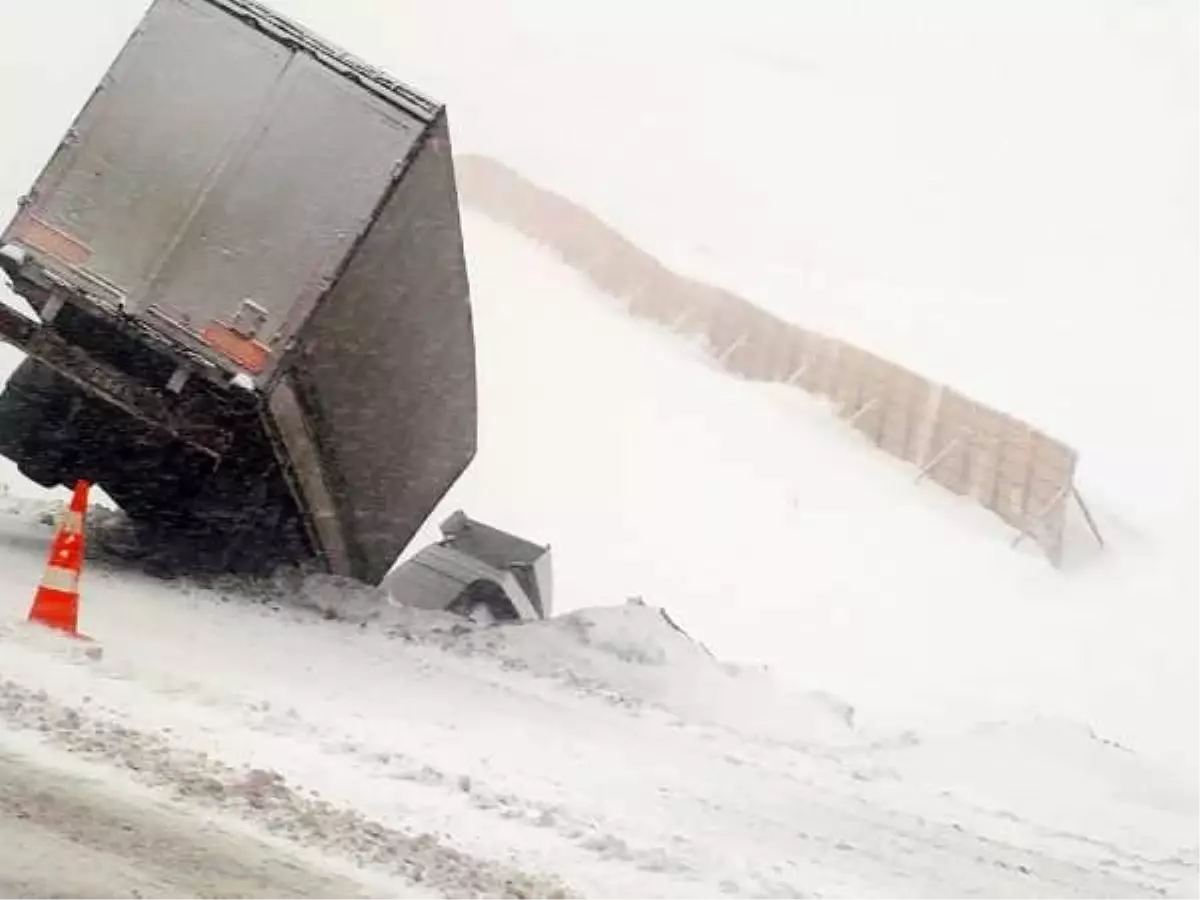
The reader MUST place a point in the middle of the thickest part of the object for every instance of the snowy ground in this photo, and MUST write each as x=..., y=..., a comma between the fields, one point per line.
x=887, y=174
x=66, y=835
x=602, y=753
x=947, y=716
x=776, y=535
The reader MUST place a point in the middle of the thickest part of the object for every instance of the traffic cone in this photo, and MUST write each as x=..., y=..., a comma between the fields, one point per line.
x=56, y=603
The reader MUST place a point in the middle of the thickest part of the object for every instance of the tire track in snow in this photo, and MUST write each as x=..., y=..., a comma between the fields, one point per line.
x=843, y=838
x=264, y=798
x=118, y=846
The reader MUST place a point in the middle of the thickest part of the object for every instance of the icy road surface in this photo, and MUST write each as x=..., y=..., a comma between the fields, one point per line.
x=62, y=835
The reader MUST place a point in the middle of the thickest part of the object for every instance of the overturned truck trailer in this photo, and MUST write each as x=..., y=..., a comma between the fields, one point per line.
x=246, y=262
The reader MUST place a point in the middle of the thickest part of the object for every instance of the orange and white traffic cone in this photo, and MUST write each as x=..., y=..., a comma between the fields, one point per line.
x=56, y=603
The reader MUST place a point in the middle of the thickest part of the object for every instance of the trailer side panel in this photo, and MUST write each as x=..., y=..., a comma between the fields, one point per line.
x=385, y=367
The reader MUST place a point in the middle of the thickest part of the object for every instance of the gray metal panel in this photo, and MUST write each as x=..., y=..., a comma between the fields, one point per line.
x=387, y=365
x=290, y=33
x=315, y=497
x=495, y=547
x=515, y=592
x=543, y=579
x=529, y=562
x=423, y=586
x=188, y=84
x=279, y=221
x=229, y=154
x=435, y=577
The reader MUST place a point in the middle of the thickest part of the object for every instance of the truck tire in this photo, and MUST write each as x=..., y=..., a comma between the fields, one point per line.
x=35, y=413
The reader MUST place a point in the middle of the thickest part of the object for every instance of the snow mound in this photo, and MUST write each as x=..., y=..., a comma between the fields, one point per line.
x=633, y=633
x=635, y=655
x=631, y=655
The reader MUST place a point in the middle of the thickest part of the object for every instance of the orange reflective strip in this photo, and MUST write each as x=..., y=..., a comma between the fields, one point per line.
x=248, y=353
x=33, y=232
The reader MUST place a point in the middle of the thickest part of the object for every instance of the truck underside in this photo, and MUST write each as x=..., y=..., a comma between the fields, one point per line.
x=216, y=490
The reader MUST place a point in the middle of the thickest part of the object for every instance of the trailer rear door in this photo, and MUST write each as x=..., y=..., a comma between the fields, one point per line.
x=216, y=182
x=186, y=87
x=269, y=234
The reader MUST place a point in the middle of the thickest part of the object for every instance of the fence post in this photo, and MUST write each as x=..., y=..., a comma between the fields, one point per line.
x=1087, y=514
x=794, y=379
x=938, y=457
x=1023, y=531
x=677, y=324
x=927, y=421
x=725, y=354
x=863, y=410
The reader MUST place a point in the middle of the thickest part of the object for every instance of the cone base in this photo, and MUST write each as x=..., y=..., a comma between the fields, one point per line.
x=55, y=609
x=73, y=635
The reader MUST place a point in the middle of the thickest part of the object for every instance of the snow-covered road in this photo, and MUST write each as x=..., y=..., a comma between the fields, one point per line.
x=63, y=835
x=602, y=753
